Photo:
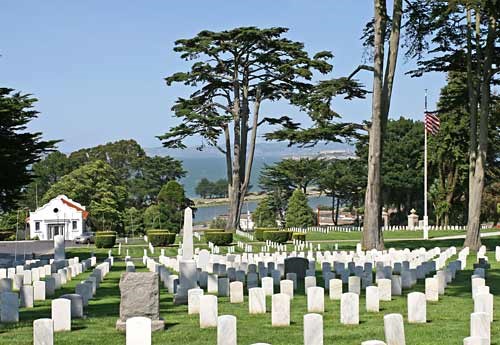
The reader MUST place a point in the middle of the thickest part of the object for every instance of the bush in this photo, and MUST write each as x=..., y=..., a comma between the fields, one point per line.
x=219, y=238
x=5, y=235
x=259, y=233
x=105, y=239
x=161, y=238
x=277, y=236
x=298, y=213
x=218, y=223
x=299, y=236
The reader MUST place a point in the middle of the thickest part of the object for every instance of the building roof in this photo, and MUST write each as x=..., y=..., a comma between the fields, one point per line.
x=70, y=204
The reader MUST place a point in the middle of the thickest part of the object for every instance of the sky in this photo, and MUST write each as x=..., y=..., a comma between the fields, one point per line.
x=98, y=67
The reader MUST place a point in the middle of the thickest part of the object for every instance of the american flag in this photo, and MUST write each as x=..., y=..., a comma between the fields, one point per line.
x=432, y=122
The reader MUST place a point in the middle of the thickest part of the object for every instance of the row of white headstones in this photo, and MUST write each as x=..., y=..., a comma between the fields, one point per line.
x=206, y=305
x=66, y=307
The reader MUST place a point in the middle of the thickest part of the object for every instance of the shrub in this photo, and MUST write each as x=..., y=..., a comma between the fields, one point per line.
x=299, y=236
x=161, y=238
x=5, y=235
x=219, y=238
x=298, y=213
x=277, y=236
x=105, y=239
x=218, y=223
x=259, y=233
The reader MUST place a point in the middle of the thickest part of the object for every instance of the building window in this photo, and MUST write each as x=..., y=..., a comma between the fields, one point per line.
x=74, y=225
x=37, y=226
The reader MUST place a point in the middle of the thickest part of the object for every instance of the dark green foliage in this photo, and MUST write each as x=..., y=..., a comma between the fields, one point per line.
x=133, y=221
x=105, y=239
x=96, y=186
x=208, y=189
x=259, y=233
x=264, y=215
x=218, y=223
x=19, y=148
x=299, y=236
x=171, y=204
x=7, y=235
x=278, y=236
x=161, y=238
x=219, y=238
x=298, y=213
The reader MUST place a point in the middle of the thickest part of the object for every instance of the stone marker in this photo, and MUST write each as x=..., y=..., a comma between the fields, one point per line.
x=256, y=301
x=335, y=289
x=6, y=285
x=9, y=311
x=309, y=281
x=476, y=341
x=349, y=308
x=296, y=265
x=61, y=314
x=226, y=330
x=43, y=332
x=59, y=249
x=138, y=331
x=313, y=329
x=223, y=287
x=417, y=308
x=483, y=302
x=208, y=311
x=194, y=301
x=372, y=297
x=39, y=290
x=286, y=287
x=236, y=292
x=480, y=325
x=396, y=287
x=431, y=289
x=315, y=299
x=280, y=310
x=293, y=278
x=145, y=304
x=268, y=285
x=213, y=283
x=354, y=285
x=384, y=289
x=373, y=342
x=76, y=305
x=394, y=329
x=26, y=295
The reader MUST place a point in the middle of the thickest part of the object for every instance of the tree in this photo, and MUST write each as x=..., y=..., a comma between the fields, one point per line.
x=298, y=213
x=448, y=149
x=235, y=72
x=133, y=222
x=153, y=218
x=45, y=173
x=462, y=36
x=96, y=186
x=264, y=215
x=294, y=173
x=383, y=81
x=203, y=188
x=342, y=180
x=171, y=203
x=19, y=148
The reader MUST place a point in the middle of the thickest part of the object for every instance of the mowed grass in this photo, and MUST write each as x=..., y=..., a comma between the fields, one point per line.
x=448, y=319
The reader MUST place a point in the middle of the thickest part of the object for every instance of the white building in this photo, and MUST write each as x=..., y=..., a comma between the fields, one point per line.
x=60, y=216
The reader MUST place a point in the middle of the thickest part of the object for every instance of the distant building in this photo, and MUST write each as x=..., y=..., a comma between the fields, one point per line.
x=325, y=155
x=60, y=216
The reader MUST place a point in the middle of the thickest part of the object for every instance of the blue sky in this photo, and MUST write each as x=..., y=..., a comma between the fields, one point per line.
x=97, y=67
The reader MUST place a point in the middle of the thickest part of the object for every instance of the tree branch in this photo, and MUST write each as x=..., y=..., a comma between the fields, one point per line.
x=359, y=68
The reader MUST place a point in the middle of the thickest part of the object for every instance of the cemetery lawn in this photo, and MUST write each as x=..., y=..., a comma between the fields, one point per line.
x=448, y=319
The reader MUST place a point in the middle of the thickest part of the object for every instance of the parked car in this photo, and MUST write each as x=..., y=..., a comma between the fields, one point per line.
x=85, y=238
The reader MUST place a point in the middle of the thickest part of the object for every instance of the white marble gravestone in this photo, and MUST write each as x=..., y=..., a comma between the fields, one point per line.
x=280, y=310
x=138, y=331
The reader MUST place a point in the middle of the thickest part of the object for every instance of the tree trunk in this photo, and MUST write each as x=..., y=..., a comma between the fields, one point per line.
x=372, y=236
x=473, y=237
x=337, y=212
x=333, y=209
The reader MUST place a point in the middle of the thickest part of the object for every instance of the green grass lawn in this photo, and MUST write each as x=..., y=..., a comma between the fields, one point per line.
x=448, y=319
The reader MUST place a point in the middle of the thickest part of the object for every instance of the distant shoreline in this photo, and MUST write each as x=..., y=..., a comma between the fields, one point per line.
x=199, y=202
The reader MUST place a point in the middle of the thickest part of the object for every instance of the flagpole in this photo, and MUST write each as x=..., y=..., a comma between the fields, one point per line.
x=426, y=218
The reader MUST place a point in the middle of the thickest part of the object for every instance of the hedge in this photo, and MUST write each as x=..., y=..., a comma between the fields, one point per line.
x=299, y=236
x=278, y=236
x=5, y=235
x=161, y=238
x=259, y=233
x=105, y=239
x=219, y=238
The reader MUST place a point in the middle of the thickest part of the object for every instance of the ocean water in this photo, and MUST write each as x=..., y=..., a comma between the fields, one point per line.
x=214, y=168
x=204, y=214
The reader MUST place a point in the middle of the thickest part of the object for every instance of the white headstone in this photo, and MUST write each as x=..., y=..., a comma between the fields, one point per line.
x=280, y=310
x=43, y=332
x=286, y=287
x=138, y=331
x=432, y=289
x=313, y=329
x=394, y=329
x=373, y=298
x=335, y=289
x=480, y=325
x=61, y=314
x=315, y=299
x=349, y=308
x=417, y=307
x=194, y=300
x=236, y=292
x=208, y=311
x=384, y=289
x=256, y=301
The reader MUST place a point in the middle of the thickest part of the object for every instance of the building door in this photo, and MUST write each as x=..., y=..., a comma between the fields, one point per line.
x=55, y=229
